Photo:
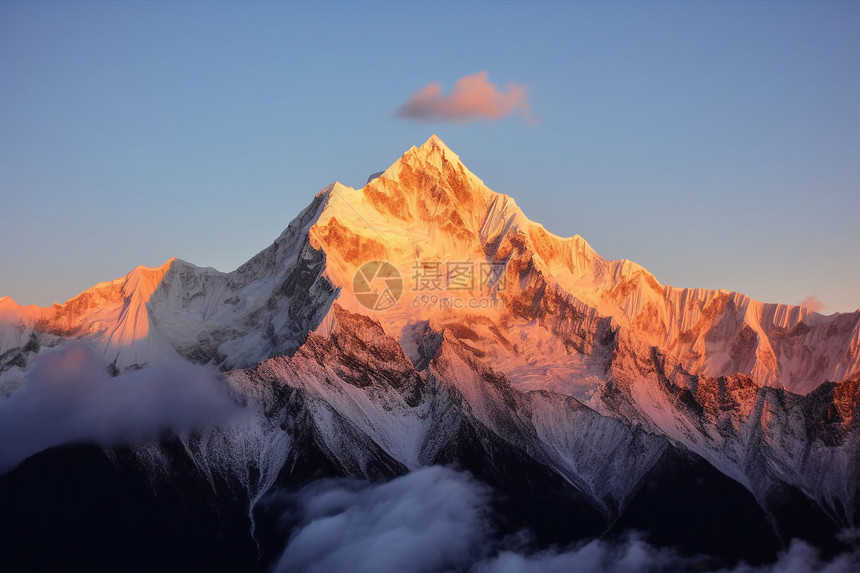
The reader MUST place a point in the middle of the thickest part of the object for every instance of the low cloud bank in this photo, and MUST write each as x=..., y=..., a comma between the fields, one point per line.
x=636, y=556
x=630, y=556
x=429, y=520
x=68, y=396
x=436, y=519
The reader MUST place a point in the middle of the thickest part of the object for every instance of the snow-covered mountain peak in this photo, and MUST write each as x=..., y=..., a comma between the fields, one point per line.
x=429, y=211
x=435, y=151
x=426, y=214
x=142, y=281
x=433, y=162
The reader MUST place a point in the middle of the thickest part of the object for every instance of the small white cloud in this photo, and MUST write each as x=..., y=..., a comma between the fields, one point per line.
x=473, y=97
x=812, y=303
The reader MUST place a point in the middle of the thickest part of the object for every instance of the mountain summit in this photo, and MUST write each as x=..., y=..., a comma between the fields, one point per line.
x=424, y=319
x=428, y=215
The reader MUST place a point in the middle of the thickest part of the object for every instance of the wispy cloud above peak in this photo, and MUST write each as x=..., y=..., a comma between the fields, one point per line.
x=813, y=304
x=473, y=97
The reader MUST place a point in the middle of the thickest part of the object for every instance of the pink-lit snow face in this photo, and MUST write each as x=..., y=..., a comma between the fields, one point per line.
x=441, y=228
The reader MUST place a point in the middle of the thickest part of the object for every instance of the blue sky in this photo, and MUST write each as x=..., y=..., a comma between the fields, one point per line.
x=724, y=153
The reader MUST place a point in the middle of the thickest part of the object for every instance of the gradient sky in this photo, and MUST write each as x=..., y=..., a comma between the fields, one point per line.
x=725, y=153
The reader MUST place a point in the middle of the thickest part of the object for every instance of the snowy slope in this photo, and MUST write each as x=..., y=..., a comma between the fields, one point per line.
x=262, y=309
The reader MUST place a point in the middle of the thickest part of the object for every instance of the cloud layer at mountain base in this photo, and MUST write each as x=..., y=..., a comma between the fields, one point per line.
x=437, y=519
x=428, y=520
x=473, y=97
x=69, y=396
x=636, y=556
